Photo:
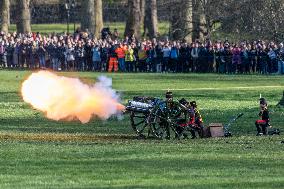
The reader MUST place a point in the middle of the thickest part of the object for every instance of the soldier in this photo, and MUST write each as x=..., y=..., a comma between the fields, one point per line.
x=185, y=123
x=197, y=122
x=263, y=123
x=178, y=111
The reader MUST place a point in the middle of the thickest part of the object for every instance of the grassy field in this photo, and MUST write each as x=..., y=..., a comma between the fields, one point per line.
x=60, y=28
x=39, y=153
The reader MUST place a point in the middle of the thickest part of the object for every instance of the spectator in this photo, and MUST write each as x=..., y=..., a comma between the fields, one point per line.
x=166, y=57
x=158, y=57
x=2, y=54
x=58, y=52
x=10, y=52
x=281, y=59
x=70, y=58
x=183, y=58
x=272, y=62
x=236, y=62
x=96, y=58
x=195, y=54
x=120, y=51
x=263, y=58
x=210, y=59
x=245, y=66
x=227, y=58
x=129, y=58
x=88, y=55
x=113, y=63
x=174, y=54
x=253, y=58
x=104, y=56
x=80, y=57
x=41, y=55
x=142, y=59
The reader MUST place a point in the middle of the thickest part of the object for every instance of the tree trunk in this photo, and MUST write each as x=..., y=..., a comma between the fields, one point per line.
x=24, y=17
x=181, y=21
x=142, y=11
x=99, y=24
x=187, y=26
x=199, y=22
x=5, y=15
x=91, y=16
x=133, y=22
x=87, y=16
x=151, y=19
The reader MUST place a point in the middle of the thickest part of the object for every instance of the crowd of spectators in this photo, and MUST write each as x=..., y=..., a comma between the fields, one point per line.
x=83, y=52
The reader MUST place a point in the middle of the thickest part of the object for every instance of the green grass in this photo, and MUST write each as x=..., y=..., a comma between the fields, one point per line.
x=60, y=28
x=39, y=153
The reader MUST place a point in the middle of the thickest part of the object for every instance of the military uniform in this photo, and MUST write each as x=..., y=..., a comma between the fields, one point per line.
x=263, y=123
x=197, y=122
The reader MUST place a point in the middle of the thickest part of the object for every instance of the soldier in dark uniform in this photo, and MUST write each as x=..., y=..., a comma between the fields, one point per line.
x=186, y=122
x=263, y=123
x=178, y=111
x=193, y=121
x=197, y=122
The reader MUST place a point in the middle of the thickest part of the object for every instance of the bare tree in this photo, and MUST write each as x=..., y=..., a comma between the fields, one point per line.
x=253, y=19
x=5, y=15
x=24, y=17
x=210, y=16
x=181, y=20
x=151, y=18
x=133, y=20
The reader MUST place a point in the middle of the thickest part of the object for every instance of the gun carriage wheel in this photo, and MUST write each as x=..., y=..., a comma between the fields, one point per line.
x=165, y=121
x=139, y=123
x=155, y=117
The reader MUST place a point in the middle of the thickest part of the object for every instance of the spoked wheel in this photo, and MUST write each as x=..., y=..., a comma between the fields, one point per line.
x=164, y=123
x=159, y=125
x=139, y=124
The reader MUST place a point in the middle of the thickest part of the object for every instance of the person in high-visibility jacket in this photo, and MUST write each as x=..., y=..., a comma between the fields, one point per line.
x=120, y=51
x=113, y=63
x=142, y=57
x=129, y=59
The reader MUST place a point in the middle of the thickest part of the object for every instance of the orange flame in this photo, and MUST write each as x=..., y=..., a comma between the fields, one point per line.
x=63, y=98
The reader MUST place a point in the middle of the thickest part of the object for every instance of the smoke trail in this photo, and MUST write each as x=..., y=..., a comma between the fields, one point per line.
x=63, y=98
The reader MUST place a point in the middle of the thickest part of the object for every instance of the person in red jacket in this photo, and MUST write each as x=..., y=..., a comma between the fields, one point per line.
x=263, y=123
x=120, y=51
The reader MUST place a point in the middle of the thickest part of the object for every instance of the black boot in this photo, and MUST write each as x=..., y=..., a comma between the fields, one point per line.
x=264, y=129
x=201, y=133
x=193, y=136
x=259, y=133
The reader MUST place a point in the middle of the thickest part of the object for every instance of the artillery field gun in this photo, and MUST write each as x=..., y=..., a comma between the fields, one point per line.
x=154, y=117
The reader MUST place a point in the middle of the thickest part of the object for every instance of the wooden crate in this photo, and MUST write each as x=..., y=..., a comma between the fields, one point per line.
x=216, y=129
